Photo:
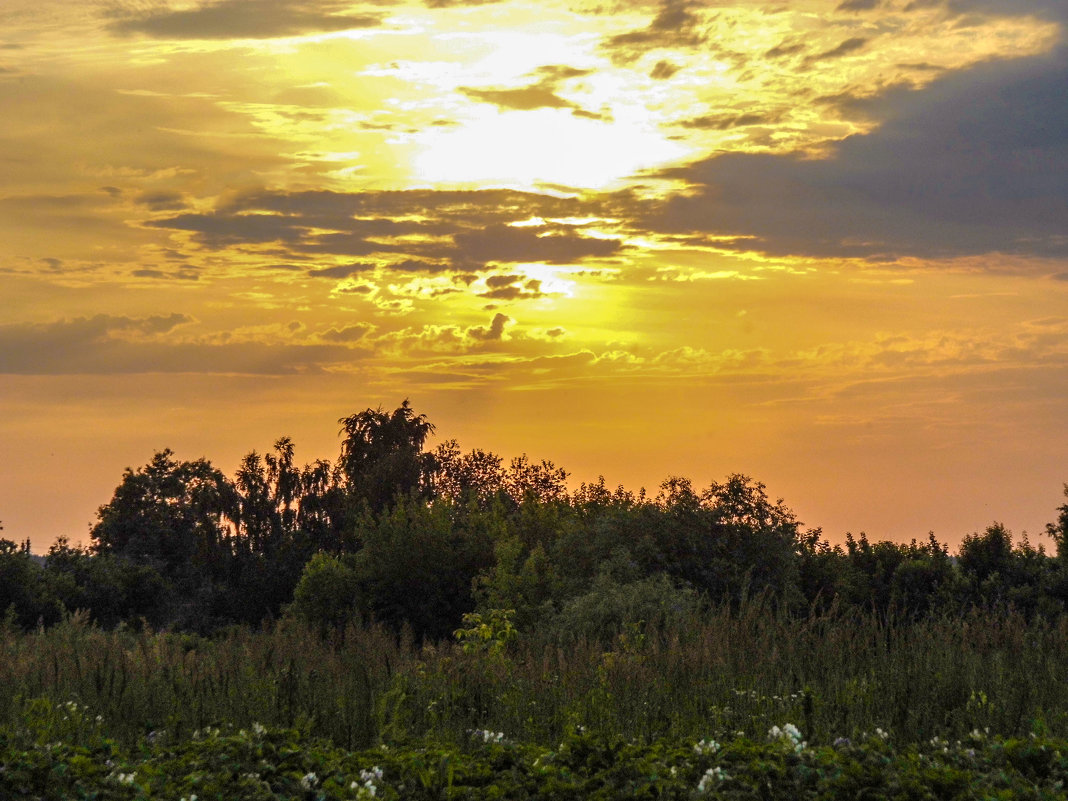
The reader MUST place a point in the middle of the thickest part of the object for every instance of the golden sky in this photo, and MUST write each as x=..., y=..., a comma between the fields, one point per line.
x=820, y=242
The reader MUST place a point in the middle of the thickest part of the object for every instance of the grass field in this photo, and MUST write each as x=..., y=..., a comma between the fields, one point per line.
x=718, y=674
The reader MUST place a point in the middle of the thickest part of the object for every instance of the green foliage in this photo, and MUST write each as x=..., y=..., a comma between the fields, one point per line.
x=264, y=763
x=612, y=604
x=419, y=539
x=25, y=590
x=488, y=633
x=326, y=595
x=418, y=564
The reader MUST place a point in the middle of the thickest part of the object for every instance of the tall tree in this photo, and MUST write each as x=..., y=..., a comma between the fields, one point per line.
x=170, y=514
x=382, y=455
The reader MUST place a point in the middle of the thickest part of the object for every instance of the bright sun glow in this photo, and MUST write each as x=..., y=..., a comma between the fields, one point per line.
x=525, y=149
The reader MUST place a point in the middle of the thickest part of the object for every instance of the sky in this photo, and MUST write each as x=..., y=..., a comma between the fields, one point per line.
x=823, y=243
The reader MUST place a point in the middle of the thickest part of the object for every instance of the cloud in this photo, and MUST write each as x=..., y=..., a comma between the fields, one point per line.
x=850, y=45
x=350, y=333
x=511, y=287
x=858, y=5
x=1050, y=9
x=510, y=244
x=523, y=99
x=974, y=163
x=494, y=332
x=106, y=345
x=723, y=122
x=162, y=200
x=410, y=231
x=663, y=70
x=182, y=274
x=543, y=94
x=242, y=19
x=341, y=270
x=674, y=26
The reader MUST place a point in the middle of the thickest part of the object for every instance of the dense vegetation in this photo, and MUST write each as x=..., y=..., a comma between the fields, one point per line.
x=412, y=538
x=408, y=623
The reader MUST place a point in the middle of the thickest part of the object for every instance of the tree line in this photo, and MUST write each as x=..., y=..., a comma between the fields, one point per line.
x=431, y=540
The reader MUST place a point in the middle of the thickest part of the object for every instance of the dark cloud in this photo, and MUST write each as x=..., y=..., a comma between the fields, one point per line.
x=184, y=274
x=497, y=281
x=341, y=271
x=785, y=49
x=446, y=230
x=1049, y=9
x=242, y=19
x=510, y=244
x=511, y=287
x=723, y=122
x=524, y=99
x=663, y=70
x=105, y=344
x=220, y=230
x=674, y=26
x=554, y=73
x=977, y=162
x=162, y=201
x=494, y=332
x=850, y=45
x=543, y=94
x=858, y=5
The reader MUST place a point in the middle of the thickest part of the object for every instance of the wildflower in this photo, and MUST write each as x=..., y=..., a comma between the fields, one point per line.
x=712, y=776
x=126, y=778
x=706, y=747
x=842, y=742
x=374, y=774
x=309, y=781
x=367, y=787
x=882, y=735
x=788, y=733
x=488, y=736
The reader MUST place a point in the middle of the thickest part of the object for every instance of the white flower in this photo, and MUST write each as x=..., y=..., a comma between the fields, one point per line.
x=309, y=781
x=712, y=776
x=882, y=735
x=788, y=733
x=488, y=736
x=706, y=747
x=259, y=729
x=372, y=775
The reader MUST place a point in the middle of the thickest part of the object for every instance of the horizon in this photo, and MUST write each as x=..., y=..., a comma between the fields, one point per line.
x=821, y=245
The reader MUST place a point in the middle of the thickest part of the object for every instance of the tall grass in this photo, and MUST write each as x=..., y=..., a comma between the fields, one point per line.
x=719, y=673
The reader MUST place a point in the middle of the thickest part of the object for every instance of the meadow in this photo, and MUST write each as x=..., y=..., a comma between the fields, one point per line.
x=785, y=707
x=405, y=624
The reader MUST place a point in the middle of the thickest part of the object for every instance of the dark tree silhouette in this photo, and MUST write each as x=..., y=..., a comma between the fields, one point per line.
x=382, y=455
x=171, y=514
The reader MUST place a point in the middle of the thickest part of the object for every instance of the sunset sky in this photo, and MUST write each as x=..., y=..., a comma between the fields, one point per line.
x=820, y=242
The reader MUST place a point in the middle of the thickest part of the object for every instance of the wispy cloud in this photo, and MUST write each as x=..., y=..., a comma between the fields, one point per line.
x=240, y=19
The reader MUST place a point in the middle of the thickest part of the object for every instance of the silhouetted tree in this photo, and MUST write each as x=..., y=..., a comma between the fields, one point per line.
x=382, y=455
x=25, y=590
x=174, y=515
x=473, y=477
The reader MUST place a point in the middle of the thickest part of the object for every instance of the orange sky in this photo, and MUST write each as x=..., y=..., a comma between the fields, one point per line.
x=820, y=242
